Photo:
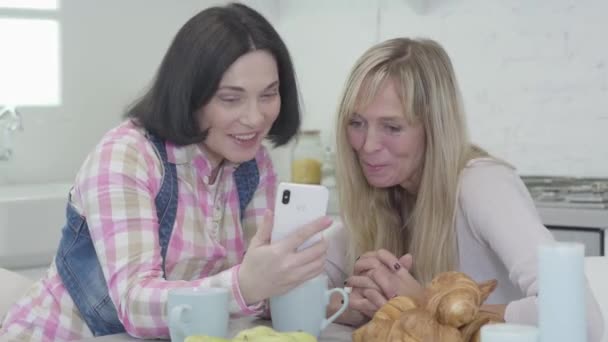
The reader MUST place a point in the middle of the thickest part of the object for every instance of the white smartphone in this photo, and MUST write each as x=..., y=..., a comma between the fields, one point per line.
x=297, y=205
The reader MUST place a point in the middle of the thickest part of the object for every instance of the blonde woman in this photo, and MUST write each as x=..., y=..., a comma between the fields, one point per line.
x=418, y=198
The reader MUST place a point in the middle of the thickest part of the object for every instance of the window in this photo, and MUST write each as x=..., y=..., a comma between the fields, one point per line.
x=30, y=53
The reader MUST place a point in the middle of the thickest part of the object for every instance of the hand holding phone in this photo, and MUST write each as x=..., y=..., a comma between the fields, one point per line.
x=297, y=205
x=271, y=269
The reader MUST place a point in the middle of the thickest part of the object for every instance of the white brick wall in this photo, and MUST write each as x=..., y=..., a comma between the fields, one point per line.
x=534, y=74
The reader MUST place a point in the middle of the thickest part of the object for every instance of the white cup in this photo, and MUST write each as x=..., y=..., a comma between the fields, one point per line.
x=198, y=311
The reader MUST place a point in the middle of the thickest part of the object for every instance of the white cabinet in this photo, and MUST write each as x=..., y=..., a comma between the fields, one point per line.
x=31, y=219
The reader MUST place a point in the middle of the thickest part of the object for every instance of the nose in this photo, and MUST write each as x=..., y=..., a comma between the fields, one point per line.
x=253, y=116
x=372, y=141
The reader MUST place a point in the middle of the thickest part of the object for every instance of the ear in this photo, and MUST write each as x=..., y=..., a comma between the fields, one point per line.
x=486, y=288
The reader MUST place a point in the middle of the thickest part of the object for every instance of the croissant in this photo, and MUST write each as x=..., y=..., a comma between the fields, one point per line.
x=376, y=330
x=452, y=301
x=454, y=298
x=380, y=325
x=394, y=307
x=418, y=325
x=470, y=332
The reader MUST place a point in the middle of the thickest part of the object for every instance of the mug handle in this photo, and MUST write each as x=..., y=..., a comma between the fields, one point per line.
x=175, y=317
x=333, y=317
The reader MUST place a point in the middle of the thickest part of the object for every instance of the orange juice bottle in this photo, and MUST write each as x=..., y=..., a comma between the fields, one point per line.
x=307, y=157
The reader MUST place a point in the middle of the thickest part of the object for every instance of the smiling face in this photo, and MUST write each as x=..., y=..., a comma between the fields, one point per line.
x=389, y=149
x=242, y=111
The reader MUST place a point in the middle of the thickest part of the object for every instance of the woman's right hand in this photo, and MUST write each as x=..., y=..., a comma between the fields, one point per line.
x=272, y=269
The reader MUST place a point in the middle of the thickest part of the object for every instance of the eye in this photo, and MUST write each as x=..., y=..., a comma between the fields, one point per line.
x=393, y=128
x=229, y=99
x=270, y=95
x=355, y=123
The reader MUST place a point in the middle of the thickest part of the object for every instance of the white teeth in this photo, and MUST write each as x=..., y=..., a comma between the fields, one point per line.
x=244, y=137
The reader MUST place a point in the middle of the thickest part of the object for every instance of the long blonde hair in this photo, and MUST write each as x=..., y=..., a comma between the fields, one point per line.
x=391, y=218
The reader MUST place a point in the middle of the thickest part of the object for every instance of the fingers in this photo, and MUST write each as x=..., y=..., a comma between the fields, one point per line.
x=368, y=254
x=262, y=235
x=375, y=297
x=362, y=282
x=362, y=304
x=298, y=237
x=386, y=280
x=365, y=264
x=392, y=263
x=314, y=252
x=306, y=271
x=389, y=260
x=407, y=261
x=371, y=260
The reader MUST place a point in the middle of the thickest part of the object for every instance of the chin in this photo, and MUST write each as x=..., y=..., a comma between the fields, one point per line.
x=380, y=183
x=238, y=158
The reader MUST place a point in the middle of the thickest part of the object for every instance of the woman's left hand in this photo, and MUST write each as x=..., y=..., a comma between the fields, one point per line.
x=389, y=276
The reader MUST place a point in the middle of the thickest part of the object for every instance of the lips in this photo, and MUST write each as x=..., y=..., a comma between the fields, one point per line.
x=244, y=137
x=246, y=140
x=373, y=167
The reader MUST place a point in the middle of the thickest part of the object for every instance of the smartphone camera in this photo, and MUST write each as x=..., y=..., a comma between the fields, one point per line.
x=286, y=196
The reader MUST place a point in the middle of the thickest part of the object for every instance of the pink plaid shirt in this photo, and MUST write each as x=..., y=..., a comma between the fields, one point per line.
x=115, y=191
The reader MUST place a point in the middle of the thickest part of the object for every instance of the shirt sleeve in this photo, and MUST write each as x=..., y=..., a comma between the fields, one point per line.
x=115, y=191
x=501, y=212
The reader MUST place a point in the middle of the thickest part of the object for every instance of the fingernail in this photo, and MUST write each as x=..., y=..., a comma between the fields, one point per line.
x=397, y=266
x=395, y=295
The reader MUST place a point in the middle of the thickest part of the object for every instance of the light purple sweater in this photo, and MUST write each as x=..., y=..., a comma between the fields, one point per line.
x=498, y=231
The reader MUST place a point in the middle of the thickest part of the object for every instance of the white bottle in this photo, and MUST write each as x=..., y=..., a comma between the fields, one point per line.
x=561, y=293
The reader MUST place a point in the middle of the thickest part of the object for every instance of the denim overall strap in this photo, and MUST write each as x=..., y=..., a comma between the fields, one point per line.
x=81, y=274
x=247, y=178
x=166, y=199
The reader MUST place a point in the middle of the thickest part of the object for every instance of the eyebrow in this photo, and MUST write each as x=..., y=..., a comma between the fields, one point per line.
x=241, y=89
x=382, y=118
x=392, y=118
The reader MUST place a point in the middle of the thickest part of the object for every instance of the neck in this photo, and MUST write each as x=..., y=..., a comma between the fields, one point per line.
x=215, y=162
x=412, y=184
x=214, y=172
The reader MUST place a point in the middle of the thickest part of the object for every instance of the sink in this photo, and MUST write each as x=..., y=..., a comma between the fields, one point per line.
x=31, y=218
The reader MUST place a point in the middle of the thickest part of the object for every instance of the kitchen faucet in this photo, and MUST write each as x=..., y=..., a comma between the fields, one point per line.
x=13, y=118
x=10, y=121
